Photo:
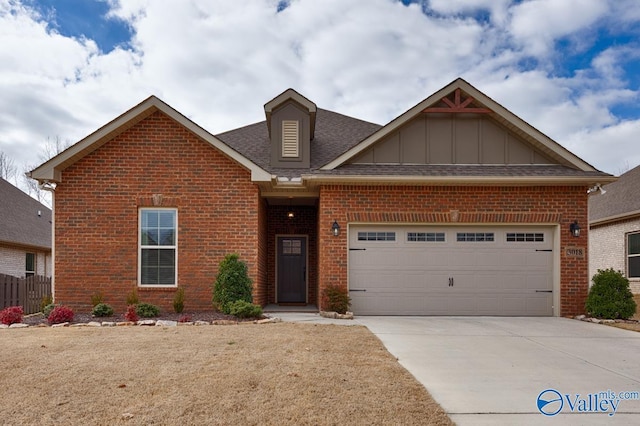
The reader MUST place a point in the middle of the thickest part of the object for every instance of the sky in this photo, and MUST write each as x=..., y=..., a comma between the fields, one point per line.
x=569, y=68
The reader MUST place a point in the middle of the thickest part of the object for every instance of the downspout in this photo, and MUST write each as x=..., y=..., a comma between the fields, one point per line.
x=51, y=187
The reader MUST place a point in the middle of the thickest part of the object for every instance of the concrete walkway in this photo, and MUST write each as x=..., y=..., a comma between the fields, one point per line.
x=491, y=371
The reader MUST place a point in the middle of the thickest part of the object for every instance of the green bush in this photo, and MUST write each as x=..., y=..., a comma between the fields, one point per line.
x=47, y=309
x=46, y=301
x=610, y=296
x=244, y=309
x=232, y=283
x=147, y=310
x=102, y=310
x=335, y=299
x=178, y=300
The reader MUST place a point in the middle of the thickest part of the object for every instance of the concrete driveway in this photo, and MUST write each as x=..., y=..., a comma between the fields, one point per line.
x=489, y=370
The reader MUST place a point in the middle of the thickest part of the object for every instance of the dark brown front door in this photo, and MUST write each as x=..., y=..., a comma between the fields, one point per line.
x=292, y=269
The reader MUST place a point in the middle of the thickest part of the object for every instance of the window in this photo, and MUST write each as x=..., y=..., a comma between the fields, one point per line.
x=158, y=247
x=475, y=236
x=525, y=237
x=30, y=268
x=293, y=247
x=633, y=255
x=376, y=236
x=290, y=142
x=426, y=236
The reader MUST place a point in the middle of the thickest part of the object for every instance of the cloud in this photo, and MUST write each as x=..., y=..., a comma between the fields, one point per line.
x=218, y=62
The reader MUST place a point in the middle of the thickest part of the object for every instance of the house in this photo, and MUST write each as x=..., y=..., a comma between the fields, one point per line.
x=614, y=226
x=25, y=234
x=455, y=207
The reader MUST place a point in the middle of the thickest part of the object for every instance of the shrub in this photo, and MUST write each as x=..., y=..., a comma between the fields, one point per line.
x=184, y=318
x=47, y=309
x=244, y=309
x=147, y=310
x=131, y=314
x=178, y=300
x=102, y=310
x=336, y=299
x=132, y=298
x=610, y=296
x=46, y=301
x=232, y=283
x=97, y=299
x=11, y=315
x=60, y=314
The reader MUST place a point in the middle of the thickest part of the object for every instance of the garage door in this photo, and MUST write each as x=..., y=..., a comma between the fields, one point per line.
x=410, y=270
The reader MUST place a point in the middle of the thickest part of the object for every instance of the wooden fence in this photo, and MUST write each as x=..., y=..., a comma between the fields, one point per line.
x=26, y=292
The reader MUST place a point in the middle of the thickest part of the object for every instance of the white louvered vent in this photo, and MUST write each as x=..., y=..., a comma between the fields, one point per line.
x=290, y=140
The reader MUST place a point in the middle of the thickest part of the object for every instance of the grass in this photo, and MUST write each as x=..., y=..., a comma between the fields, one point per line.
x=246, y=374
x=631, y=326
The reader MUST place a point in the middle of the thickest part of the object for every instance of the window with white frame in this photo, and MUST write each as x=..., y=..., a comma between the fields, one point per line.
x=633, y=255
x=158, y=247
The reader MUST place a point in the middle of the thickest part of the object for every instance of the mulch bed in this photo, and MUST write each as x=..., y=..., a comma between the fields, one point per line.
x=79, y=318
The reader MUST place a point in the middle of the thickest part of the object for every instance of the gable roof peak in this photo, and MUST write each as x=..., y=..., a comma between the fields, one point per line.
x=291, y=95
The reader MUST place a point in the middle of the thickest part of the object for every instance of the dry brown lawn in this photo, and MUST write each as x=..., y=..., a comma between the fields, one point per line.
x=245, y=374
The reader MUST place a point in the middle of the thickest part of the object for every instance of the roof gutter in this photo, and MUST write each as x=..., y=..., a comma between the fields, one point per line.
x=615, y=218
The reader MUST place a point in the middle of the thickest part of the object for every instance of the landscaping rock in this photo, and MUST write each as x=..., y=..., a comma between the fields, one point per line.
x=188, y=323
x=94, y=324
x=224, y=322
x=146, y=322
x=202, y=323
x=62, y=324
x=268, y=320
x=108, y=324
x=18, y=325
x=596, y=320
x=580, y=317
x=81, y=324
x=608, y=321
x=124, y=323
x=4, y=326
x=335, y=315
x=166, y=323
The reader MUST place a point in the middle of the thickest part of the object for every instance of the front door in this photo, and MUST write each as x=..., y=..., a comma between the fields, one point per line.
x=292, y=269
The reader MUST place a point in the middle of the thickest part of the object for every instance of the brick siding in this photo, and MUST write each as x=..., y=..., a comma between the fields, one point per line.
x=457, y=205
x=96, y=209
x=608, y=248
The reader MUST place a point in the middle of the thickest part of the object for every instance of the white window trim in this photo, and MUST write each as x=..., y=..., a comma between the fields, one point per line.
x=141, y=247
x=290, y=139
x=628, y=255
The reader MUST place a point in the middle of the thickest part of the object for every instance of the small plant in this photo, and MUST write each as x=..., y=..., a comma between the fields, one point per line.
x=336, y=299
x=132, y=298
x=11, y=315
x=46, y=300
x=97, y=298
x=60, y=314
x=184, y=318
x=232, y=283
x=147, y=310
x=178, y=300
x=102, y=310
x=131, y=314
x=244, y=309
x=610, y=296
x=46, y=311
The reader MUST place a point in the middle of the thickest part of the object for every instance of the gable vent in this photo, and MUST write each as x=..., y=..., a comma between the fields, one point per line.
x=290, y=139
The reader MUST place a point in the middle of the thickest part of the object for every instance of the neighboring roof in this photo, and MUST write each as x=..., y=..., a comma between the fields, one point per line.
x=621, y=199
x=20, y=223
x=51, y=171
x=482, y=103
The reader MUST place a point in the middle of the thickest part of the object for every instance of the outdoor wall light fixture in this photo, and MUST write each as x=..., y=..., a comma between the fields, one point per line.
x=290, y=213
x=575, y=229
x=335, y=228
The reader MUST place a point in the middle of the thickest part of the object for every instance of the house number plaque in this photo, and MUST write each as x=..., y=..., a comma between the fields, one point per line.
x=574, y=252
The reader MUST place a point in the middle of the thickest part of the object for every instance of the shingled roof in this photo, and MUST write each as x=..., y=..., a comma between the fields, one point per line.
x=620, y=201
x=334, y=134
x=23, y=220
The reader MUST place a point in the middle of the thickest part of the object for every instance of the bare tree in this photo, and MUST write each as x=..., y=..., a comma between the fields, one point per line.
x=8, y=170
x=51, y=148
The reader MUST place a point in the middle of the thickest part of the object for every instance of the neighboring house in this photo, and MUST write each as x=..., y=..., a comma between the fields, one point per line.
x=614, y=225
x=456, y=207
x=25, y=234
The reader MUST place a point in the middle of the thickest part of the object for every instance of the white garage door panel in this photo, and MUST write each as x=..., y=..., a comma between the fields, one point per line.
x=496, y=277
